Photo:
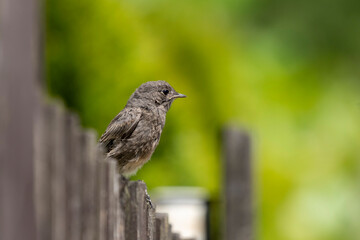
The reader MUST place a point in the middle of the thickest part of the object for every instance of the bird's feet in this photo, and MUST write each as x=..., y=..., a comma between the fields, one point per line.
x=123, y=179
x=148, y=199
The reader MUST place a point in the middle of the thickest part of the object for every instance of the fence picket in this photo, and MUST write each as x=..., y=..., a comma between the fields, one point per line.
x=150, y=217
x=238, y=217
x=161, y=226
x=124, y=195
x=136, y=225
x=88, y=199
x=175, y=236
x=73, y=176
x=103, y=191
x=112, y=198
x=58, y=171
x=43, y=172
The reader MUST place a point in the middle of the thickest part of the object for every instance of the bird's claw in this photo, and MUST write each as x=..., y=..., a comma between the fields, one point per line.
x=148, y=199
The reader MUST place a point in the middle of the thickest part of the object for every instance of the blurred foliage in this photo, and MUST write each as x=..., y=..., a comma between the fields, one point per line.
x=285, y=70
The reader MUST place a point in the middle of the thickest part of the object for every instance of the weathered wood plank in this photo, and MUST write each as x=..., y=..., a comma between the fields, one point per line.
x=98, y=190
x=175, y=236
x=59, y=172
x=43, y=172
x=169, y=232
x=124, y=195
x=73, y=176
x=150, y=217
x=19, y=75
x=89, y=194
x=104, y=199
x=119, y=229
x=136, y=224
x=113, y=190
x=237, y=185
x=161, y=226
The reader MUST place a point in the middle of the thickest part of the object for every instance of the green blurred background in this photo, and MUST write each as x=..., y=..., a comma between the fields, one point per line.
x=288, y=71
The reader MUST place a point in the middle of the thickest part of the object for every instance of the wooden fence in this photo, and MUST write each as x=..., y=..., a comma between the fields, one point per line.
x=55, y=183
x=78, y=192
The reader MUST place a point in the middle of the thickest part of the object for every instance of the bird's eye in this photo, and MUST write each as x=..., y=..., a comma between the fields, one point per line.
x=165, y=92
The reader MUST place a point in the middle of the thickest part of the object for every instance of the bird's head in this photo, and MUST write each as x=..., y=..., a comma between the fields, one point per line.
x=155, y=94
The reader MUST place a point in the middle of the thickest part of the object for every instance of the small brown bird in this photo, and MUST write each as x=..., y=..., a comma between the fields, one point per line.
x=134, y=133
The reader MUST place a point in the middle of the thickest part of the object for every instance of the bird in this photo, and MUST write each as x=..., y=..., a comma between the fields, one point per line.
x=133, y=135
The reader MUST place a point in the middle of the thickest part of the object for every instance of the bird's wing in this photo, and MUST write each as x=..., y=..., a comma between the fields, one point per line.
x=121, y=127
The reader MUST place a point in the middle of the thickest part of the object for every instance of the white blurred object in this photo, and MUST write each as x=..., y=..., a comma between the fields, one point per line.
x=187, y=209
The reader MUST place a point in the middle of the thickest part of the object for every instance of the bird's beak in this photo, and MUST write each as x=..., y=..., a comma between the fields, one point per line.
x=178, y=95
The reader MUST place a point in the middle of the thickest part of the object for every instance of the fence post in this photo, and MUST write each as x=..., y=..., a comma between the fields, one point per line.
x=43, y=172
x=73, y=176
x=161, y=226
x=103, y=191
x=58, y=170
x=136, y=224
x=89, y=194
x=175, y=236
x=19, y=77
x=237, y=185
x=124, y=196
x=99, y=157
x=113, y=198
x=150, y=225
